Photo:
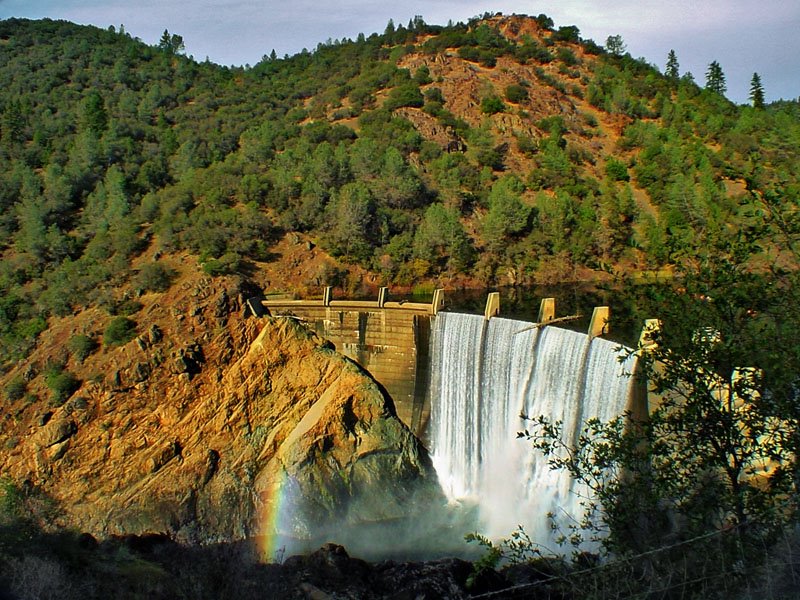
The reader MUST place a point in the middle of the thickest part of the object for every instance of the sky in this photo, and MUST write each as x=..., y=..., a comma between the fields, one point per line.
x=744, y=36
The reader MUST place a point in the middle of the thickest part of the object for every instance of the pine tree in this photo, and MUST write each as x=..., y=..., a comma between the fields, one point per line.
x=176, y=41
x=165, y=41
x=672, y=70
x=715, y=79
x=756, y=91
x=615, y=45
x=12, y=126
x=171, y=44
x=95, y=116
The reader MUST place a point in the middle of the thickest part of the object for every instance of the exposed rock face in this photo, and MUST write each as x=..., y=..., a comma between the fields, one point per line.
x=329, y=434
x=262, y=412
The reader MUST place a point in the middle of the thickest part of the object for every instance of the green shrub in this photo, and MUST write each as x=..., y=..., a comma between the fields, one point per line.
x=491, y=157
x=527, y=145
x=530, y=49
x=127, y=307
x=81, y=346
x=154, y=277
x=469, y=53
x=578, y=155
x=567, y=33
x=433, y=108
x=229, y=263
x=516, y=93
x=11, y=500
x=62, y=384
x=423, y=75
x=119, y=331
x=345, y=113
x=434, y=94
x=616, y=170
x=16, y=388
x=404, y=95
x=429, y=151
x=492, y=104
x=567, y=56
x=589, y=119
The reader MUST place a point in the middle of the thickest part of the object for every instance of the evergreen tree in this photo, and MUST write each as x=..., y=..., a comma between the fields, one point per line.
x=177, y=43
x=508, y=215
x=756, y=91
x=164, y=42
x=171, y=44
x=715, y=79
x=13, y=123
x=441, y=240
x=544, y=21
x=615, y=45
x=94, y=113
x=672, y=70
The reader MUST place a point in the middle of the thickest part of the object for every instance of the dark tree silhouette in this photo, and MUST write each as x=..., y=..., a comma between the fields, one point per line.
x=756, y=91
x=715, y=79
x=672, y=70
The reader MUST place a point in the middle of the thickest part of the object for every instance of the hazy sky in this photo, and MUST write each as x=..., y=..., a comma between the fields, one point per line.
x=744, y=36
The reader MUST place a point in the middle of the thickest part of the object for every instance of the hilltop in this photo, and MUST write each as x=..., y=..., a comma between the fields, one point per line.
x=503, y=151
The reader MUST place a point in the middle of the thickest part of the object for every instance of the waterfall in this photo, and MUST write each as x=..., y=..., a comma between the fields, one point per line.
x=484, y=374
x=456, y=383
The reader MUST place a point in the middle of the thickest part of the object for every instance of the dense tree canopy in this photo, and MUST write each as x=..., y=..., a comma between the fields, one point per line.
x=109, y=146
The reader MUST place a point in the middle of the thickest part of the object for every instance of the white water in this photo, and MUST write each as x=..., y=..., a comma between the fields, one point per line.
x=484, y=374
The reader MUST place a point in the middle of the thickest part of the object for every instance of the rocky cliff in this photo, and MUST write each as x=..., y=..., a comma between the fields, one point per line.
x=211, y=426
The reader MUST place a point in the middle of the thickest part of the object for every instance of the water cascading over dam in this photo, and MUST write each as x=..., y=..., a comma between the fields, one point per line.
x=484, y=374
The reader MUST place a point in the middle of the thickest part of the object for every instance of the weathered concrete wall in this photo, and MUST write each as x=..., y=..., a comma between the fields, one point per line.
x=390, y=342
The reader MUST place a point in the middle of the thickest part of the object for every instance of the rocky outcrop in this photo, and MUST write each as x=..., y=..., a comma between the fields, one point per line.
x=331, y=441
x=211, y=437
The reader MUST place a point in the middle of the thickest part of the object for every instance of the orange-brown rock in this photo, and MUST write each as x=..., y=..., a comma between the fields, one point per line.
x=191, y=426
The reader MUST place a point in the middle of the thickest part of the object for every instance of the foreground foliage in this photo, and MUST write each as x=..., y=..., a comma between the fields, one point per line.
x=695, y=493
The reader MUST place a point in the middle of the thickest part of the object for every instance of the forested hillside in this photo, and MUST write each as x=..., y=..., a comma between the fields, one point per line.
x=501, y=151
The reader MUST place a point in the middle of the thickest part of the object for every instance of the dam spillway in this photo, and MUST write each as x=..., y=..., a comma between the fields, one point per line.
x=484, y=375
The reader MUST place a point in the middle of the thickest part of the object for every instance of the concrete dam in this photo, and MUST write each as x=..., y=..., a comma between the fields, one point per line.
x=389, y=339
x=462, y=383
x=392, y=339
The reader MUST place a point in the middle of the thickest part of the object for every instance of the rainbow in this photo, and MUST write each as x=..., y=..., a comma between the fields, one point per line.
x=276, y=516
